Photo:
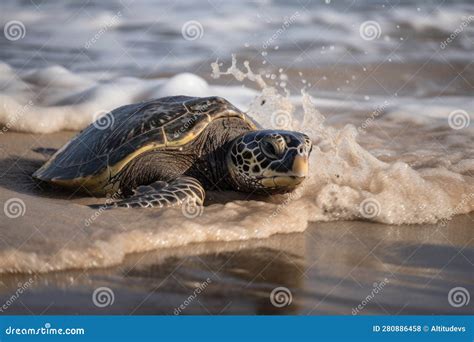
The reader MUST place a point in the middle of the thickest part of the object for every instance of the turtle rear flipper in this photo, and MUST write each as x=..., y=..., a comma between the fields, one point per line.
x=162, y=194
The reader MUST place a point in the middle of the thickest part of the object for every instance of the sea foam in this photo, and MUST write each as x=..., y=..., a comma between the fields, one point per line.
x=394, y=168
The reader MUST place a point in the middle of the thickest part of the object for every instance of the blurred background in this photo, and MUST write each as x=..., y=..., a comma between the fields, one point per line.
x=399, y=71
x=358, y=48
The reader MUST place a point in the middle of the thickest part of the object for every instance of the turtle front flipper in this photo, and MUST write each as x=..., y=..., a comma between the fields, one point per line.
x=162, y=194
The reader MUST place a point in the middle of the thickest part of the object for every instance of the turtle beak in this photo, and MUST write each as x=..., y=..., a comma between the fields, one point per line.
x=300, y=166
x=290, y=179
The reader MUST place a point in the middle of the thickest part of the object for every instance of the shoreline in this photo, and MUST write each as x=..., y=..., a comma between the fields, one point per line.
x=329, y=267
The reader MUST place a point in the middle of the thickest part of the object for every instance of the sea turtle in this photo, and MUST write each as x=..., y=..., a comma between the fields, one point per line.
x=167, y=151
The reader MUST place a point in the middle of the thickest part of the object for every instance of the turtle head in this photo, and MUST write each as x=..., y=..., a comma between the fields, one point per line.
x=269, y=160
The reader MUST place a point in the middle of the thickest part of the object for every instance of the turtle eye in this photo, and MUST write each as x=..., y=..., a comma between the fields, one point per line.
x=272, y=149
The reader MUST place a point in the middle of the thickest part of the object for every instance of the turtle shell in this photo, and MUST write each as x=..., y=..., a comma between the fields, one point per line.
x=101, y=150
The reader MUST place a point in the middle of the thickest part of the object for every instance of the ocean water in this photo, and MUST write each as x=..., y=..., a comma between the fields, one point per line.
x=385, y=92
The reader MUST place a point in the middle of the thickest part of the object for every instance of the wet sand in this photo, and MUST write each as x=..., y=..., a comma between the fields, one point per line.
x=330, y=268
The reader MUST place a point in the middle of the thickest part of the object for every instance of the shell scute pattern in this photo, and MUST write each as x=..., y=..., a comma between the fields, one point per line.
x=170, y=121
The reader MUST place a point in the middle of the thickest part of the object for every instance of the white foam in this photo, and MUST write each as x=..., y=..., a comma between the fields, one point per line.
x=54, y=99
x=423, y=177
x=346, y=176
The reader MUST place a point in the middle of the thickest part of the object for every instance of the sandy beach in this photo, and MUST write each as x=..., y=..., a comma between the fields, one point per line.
x=330, y=268
x=382, y=224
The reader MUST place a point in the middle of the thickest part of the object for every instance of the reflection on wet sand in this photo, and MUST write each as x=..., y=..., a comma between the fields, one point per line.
x=332, y=268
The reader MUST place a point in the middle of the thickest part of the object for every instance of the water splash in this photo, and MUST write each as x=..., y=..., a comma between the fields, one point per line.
x=345, y=176
x=347, y=181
